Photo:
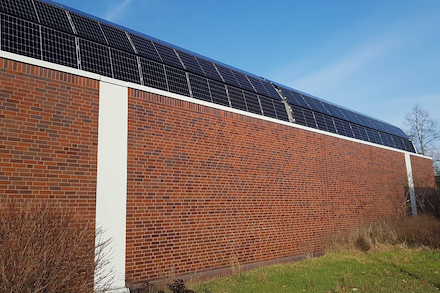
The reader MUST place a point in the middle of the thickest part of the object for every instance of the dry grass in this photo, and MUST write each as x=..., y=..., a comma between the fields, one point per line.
x=422, y=231
x=45, y=247
x=234, y=263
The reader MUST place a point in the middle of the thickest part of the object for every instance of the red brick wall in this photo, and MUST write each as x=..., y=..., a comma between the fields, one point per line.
x=205, y=185
x=423, y=172
x=424, y=183
x=48, y=134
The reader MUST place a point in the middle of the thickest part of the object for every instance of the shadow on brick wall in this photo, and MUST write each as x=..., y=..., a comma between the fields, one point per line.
x=427, y=200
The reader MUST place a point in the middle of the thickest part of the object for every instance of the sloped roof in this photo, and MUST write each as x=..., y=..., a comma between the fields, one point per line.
x=62, y=35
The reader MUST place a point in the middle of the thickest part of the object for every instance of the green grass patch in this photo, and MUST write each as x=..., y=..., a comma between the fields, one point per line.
x=392, y=270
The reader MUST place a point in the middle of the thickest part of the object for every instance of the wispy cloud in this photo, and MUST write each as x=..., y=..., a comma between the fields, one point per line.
x=400, y=106
x=384, y=69
x=330, y=75
x=115, y=12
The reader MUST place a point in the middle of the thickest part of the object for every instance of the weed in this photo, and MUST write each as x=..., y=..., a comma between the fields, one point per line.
x=407, y=231
x=235, y=265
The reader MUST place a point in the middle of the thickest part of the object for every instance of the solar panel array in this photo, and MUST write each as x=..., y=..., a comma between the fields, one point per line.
x=49, y=32
x=318, y=114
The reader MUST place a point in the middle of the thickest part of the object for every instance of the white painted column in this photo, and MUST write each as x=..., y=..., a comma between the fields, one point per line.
x=111, y=197
x=411, y=184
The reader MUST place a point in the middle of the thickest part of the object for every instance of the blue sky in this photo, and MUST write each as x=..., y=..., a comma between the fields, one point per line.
x=376, y=57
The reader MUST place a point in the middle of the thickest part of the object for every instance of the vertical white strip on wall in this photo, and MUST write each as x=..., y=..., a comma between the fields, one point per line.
x=111, y=197
x=411, y=184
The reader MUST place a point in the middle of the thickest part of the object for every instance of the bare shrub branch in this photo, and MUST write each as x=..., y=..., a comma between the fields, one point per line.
x=46, y=247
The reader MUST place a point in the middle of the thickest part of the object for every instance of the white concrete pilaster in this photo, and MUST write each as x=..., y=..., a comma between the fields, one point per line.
x=411, y=184
x=111, y=197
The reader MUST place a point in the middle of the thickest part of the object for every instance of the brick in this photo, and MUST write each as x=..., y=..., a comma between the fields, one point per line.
x=204, y=184
x=33, y=144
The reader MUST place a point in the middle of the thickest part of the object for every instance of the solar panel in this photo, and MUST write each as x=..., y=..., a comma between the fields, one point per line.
x=168, y=55
x=267, y=107
x=348, y=130
x=345, y=121
x=88, y=28
x=330, y=124
x=153, y=74
x=20, y=36
x=398, y=142
x=399, y=132
x=259, y=88
x=280, y=110
x=363, y=133
x=320, y=122
x=125, y=66
x=290, y=97
x=300, y=100
x=199, y=87
x=209, y=69
x=58, y=47
x=298, y=115
x=218, y=93
x=386, y=138
x=145, y=47
x=392, y=129
x=310, y=102
x=344, y=114
x=408, y=145
x=356, y=118
x=310, y=119
x=177, y=82
x=252, y=102
x=53, y=17
x=376, y=124
x=53, y=41
x=190, y=63
x=384, y=127
x=368, y=122
x=227, y=75
x=372, y=136
x=271, y=90
x=349, y=115
x=313, y=103
x=387, y=128
x=95, y=58
x=339, y=127
x=379, y=138
x=237, y=98
x=244, y=82
x=20, y=8
x=317, y=105
x=332, y=110
x=356, y=131
x=320, y=105
x=117, y=38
